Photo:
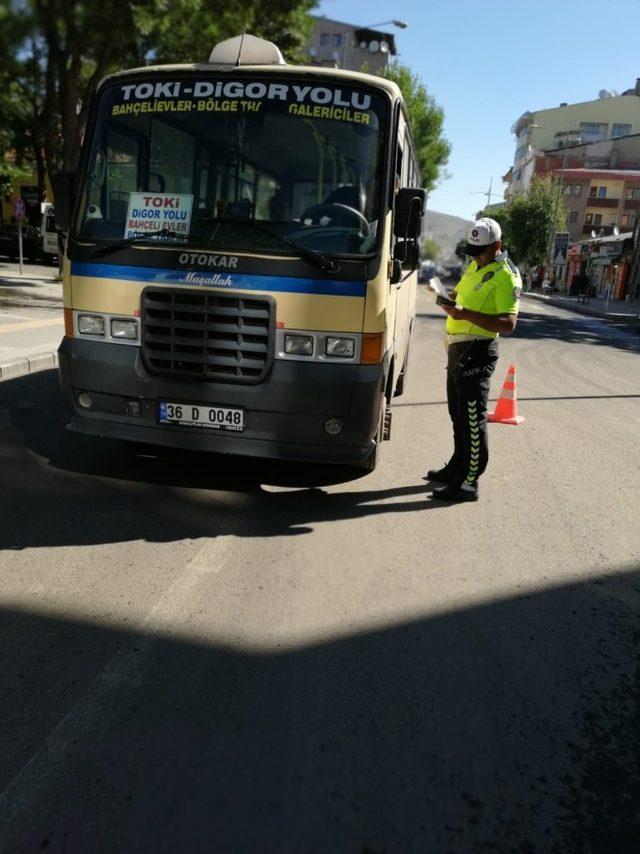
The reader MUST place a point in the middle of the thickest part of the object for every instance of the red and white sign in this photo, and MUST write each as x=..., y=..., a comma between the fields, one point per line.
x=19, y=209
x=149, y=212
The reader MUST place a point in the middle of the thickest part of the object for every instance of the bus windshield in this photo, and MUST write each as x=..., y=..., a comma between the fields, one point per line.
x=236, y=164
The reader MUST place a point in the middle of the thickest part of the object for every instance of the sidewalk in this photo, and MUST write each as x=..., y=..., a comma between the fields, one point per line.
x=31, y=321
x=622, y=312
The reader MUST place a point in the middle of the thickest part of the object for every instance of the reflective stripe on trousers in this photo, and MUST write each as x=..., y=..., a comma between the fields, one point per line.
x=469, y=370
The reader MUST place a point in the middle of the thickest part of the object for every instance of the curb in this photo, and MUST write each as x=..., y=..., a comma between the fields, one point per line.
x=631, y=319
x=23, y=365
x=9, y=279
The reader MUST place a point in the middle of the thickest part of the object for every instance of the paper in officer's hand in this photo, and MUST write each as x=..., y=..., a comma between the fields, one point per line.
x=437, y=287
x=442, y=294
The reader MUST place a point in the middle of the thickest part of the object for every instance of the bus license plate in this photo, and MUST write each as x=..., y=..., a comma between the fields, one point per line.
x=195, y=415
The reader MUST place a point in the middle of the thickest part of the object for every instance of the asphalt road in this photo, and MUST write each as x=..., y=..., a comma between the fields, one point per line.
x=204, y=654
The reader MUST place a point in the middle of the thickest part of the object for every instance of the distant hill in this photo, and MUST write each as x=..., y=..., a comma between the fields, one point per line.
x=446, y=230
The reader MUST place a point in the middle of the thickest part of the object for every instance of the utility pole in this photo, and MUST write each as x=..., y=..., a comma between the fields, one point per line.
x=488, y=193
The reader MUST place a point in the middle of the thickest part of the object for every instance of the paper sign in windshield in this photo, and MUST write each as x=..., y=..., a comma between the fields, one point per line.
x=152, y=212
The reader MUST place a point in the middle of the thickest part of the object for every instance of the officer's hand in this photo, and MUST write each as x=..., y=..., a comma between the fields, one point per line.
x=454, y=311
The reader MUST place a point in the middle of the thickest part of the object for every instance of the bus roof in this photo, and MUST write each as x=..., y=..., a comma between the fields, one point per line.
x=336, y=74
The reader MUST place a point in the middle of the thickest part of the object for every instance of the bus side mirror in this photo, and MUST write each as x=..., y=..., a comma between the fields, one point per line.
x=409, y=208
x=63, y=184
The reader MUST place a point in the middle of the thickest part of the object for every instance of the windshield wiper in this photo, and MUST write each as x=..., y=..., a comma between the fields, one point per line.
x=131, y=241
x=315, y=258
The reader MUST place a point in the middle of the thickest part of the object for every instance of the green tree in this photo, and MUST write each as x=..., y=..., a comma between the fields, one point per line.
x=426, y=118
x=527, y=221
x=430, y=249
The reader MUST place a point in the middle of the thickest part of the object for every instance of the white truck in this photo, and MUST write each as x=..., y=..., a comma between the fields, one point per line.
x=50, y=249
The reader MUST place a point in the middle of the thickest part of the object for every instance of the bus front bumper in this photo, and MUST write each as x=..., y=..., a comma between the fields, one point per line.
x=284, y=415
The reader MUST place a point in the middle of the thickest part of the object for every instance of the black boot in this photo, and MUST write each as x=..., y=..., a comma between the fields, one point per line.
x=456, y=492
x=447, y=474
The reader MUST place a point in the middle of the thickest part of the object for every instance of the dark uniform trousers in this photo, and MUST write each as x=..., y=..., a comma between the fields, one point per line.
x=470, y=365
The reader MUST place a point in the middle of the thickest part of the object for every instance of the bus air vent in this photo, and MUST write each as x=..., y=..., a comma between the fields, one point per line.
x=208, y=336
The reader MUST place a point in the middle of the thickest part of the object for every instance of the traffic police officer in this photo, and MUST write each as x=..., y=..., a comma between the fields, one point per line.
x=486, y=306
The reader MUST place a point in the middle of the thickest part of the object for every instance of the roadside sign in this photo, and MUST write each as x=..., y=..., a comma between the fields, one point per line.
x=560, y=248
x=19, y=209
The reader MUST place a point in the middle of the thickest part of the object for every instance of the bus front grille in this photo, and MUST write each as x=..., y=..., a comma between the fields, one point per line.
x=207, y=336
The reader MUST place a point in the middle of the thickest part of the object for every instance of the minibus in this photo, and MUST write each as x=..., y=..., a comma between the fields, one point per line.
x=241, y=247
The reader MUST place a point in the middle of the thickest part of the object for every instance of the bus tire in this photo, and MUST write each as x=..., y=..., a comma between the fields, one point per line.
x=369, y=463
x=402, y=379
x=399, y=391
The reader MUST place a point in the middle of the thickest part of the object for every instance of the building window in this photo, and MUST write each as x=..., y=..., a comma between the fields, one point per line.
x=577, y=189
x=602, y=192
x=626, y=219
x=573, y=216
x=633, y=193
x=597, y=219
x=324, y=40
x=337, y=39
x=593, y=132
x=620, y=130
x=520, y=152
x=568, y=189
x=593, y=192
x=588, y=220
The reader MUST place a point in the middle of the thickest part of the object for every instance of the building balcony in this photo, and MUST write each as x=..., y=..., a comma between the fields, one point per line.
x=593, y=202
x=631, y=204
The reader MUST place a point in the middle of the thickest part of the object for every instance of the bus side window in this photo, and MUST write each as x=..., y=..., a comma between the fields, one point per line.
x=399, y=165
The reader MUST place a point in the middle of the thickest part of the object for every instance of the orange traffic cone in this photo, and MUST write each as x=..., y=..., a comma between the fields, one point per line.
x=506, y=411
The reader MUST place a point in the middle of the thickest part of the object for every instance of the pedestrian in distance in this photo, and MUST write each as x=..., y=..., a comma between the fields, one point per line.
x=485, y=307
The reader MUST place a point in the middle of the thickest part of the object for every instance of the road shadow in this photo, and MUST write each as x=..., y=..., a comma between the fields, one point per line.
x=509, y=727
x=61, y=488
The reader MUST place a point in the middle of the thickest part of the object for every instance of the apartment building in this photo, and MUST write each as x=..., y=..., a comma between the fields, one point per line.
x=600, y=184
x=609, y=117
x=600, y=201
x=337, y=44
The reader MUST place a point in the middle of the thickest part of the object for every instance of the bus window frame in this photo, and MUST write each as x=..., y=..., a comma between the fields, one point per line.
x=387, y=140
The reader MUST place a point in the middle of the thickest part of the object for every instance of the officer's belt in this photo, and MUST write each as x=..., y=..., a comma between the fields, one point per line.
x=459, y=339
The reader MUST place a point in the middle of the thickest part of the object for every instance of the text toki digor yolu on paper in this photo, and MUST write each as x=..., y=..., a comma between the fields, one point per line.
x=152, y=212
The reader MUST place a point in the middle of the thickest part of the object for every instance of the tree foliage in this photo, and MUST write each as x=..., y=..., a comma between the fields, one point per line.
x=426, y=119
x=527, y=221
x=430, y=249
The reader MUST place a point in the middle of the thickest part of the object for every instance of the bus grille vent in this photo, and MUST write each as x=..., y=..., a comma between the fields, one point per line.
x=207, y=336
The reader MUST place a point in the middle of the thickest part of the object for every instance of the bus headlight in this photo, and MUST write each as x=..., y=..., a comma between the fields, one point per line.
x=341, y=348
x=91, y=324
x=124, y=329
x=298, y=345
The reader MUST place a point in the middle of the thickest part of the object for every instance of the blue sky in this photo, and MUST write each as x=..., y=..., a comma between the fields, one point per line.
x=488, y=62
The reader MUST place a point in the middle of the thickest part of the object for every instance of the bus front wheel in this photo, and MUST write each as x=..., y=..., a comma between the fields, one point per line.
x=383, y=433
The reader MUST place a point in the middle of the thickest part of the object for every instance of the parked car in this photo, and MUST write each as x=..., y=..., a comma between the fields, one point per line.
x=427, y=271
x=31, y=241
